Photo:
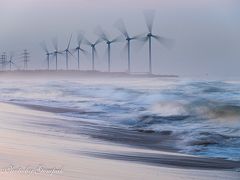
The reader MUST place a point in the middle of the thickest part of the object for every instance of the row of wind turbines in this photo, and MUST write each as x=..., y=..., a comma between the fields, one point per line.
x=104, y=38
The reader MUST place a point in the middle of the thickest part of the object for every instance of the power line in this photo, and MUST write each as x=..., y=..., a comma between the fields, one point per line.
x=3, y=61
x=26, y=58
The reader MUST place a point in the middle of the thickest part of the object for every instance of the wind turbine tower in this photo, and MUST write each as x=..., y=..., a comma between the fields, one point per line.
x=149, y=17
x=68, y=52
x=78, y=49
x=94, y=51
x=120, y=25
x=109, y=42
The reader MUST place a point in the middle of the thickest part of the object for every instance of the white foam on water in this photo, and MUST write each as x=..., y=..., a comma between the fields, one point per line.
x=206, y=115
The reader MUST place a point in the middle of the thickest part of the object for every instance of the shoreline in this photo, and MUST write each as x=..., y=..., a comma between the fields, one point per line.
x=78, y=73
x=155, y=146
x=24, y=144
x=32, y=135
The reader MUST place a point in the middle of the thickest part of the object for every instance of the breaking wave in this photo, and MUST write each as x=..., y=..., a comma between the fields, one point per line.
x=204, y=115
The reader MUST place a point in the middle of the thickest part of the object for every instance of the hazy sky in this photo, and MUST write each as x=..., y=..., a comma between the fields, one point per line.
x=206, y=32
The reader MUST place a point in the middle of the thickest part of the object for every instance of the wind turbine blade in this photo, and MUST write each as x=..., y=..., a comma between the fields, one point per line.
x=55, y=44
x=11, y=55
x=139, y=36
x=98, y=41
x=149, y=18
x=88, y=54
x=44, y=46
x=87, y=42
x=74, y=50
x=12, y=63
x=69, y=42
x=117, y=39
x=61, y=52
x=101, y=34
x=80, y=38
x=169, y=43
x=71, y=54
x=120, y=25
x=143, y=39
x=54, y=55
x=84, y=51
x=141, y=43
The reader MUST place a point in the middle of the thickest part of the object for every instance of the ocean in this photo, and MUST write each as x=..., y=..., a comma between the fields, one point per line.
x=203, y=115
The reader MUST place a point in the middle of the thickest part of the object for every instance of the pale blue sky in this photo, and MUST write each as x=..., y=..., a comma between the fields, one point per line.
x=206, y=32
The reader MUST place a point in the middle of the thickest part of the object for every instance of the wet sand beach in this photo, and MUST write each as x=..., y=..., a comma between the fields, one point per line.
x=30, y=139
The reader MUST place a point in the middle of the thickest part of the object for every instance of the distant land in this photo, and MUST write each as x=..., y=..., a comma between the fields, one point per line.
x=75, y=74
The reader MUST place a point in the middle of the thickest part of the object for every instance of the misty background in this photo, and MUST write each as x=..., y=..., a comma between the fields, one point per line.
x=206, y=33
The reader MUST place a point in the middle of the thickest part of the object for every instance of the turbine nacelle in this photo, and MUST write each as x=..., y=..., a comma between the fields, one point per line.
x=149, y=35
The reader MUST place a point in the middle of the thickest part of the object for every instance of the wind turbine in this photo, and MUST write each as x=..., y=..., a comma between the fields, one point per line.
x=56, y=52
x=44, y=47
x=67, y=52
x=120, y=25
x=109, y=42
x=94, y=51
x=78, y=48
x=149, y=18
x=10, y=62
